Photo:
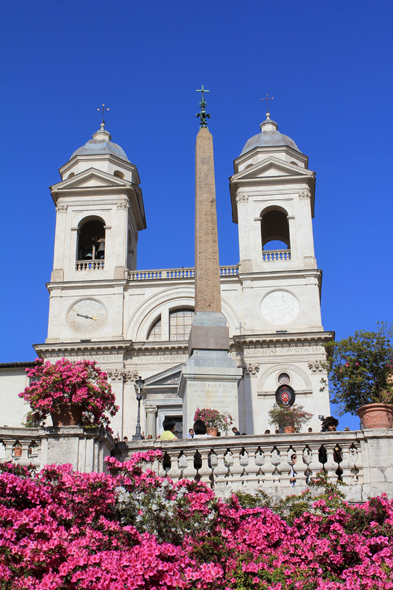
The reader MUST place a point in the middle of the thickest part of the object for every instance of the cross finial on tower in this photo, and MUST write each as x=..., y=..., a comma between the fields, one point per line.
x=103, y=109
x=203, y=114
x=267, y=104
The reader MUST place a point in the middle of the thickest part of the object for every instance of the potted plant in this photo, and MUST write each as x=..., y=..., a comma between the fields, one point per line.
x=71, y=392
x=289, y=418
x=360, y=376
x=215, y=421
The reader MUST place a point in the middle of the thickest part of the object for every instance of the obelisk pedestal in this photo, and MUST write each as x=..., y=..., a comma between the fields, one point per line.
x=210, y=377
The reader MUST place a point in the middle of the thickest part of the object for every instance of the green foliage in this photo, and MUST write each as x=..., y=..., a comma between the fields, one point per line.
x=361, y=368
x=283, y=416
x=295, y=505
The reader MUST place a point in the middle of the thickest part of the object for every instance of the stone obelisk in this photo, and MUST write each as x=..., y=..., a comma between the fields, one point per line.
x=210, y=377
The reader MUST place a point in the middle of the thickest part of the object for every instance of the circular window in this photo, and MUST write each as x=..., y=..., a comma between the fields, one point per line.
x=284, y=379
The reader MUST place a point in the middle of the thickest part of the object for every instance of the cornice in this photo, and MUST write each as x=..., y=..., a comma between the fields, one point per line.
x=279, y=340
x=156, y=348
x=270, y=149
x=79, y=348
x=281, y=274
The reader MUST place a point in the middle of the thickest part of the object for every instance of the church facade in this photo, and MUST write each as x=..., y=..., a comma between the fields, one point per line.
x=136, y=322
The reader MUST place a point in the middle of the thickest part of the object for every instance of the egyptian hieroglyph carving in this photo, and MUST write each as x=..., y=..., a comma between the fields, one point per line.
x=207, y=268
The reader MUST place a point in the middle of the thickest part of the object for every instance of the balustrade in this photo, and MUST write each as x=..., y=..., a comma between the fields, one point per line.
x=89, y=265
x=252, y=463
x=361, y=459
x=21, y=445
x=274, y=255
x=175, y=273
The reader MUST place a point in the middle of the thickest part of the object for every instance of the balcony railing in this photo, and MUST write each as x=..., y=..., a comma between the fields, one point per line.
x=175, y=273
x=89, y=265
x=274, y=255
x=360, y=459
x=251, y=463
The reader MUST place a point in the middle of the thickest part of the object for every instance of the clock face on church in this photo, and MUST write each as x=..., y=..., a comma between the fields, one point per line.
x=280, y=308
x=86, y=316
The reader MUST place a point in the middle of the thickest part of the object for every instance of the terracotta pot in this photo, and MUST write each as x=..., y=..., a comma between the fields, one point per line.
x=289, y=429
x=17, y=451
x=212, y=431
x=66, y=415
x=376, y=416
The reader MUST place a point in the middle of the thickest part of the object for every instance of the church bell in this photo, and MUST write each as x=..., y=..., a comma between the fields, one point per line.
x=101, y=248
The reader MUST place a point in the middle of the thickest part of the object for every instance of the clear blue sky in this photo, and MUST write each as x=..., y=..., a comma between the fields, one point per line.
x=328, y=66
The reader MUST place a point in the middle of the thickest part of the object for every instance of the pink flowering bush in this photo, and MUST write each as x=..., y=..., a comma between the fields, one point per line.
x=214, y=418
x=66, y=382
x=64, y=529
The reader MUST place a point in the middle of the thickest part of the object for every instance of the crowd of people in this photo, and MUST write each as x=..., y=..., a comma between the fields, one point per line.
x=328, y=424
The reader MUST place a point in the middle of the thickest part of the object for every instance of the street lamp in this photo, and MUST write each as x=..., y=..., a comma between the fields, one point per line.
x=139, y=383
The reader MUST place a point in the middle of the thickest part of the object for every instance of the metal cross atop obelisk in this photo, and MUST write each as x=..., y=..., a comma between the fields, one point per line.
x=103, y=109
x=203, y=114
x=267, y=102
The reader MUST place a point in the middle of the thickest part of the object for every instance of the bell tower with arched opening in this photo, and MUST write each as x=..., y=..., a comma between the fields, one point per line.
x=99, y=212
x=272, y=194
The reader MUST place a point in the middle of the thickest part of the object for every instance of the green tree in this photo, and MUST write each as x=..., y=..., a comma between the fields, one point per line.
x=361, y=369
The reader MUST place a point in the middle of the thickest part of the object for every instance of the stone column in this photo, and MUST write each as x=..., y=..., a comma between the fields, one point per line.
x=151, y=412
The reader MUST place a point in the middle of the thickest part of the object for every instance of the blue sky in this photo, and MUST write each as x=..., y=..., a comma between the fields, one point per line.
x=328, y=66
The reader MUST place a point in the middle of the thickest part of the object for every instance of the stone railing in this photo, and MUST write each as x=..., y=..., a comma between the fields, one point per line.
x=361, y=459
x=252, y=463
x=175, y=273
x=84, y=449
x=22, y=445
x=89, y=265
x=274, y=255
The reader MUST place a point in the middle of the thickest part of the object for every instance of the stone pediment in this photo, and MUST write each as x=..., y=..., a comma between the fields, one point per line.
x=91, y=178
x=271, y=167
x=168, y=379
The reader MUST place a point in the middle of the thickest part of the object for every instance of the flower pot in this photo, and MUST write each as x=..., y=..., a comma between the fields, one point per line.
x=288, y=429
x=17, y=451
x=212, y=431
x=376, y=416
x=66, y=415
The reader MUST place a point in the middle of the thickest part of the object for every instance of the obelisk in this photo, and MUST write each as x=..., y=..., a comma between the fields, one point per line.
x=210, y=376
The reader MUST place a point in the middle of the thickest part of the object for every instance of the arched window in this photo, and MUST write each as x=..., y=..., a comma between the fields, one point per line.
x=91, y=244
x=180, y=322
x=275, y=230
x=118, y=174
x=155, y=331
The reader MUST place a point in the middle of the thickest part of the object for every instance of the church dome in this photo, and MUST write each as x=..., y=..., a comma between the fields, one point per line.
x=269, y=136
x=101, y=144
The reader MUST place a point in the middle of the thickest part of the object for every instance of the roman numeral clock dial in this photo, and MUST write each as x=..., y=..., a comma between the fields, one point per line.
x=86, y=316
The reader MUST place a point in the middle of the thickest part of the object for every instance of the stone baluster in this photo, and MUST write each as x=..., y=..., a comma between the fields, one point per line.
x=260, y=462
x=268, y=469
x=174, y=472
x=252, y=468
x=278, y=459
x=190, y=471
x=236, y=470
x=221, y=471
x=315, y=465
x=300, y=468
x=358, y=465
x=346, y=464
x=330, y=465
x=205, y=471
